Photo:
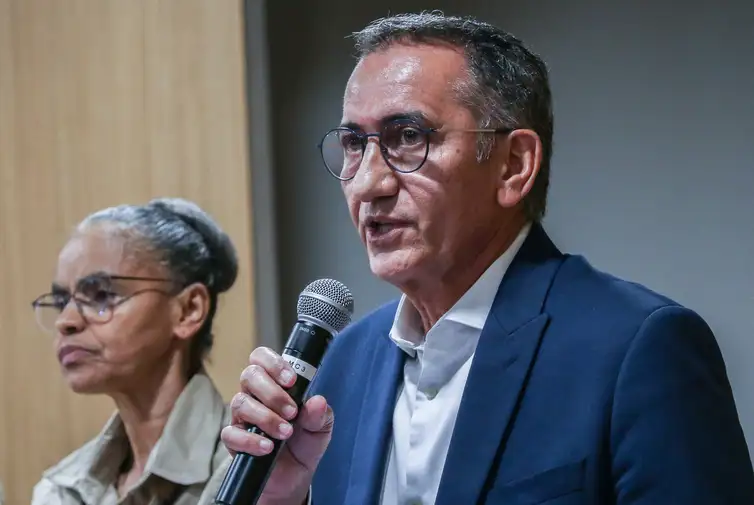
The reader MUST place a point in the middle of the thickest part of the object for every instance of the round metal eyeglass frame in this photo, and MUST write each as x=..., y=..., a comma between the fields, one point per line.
x=83, y=306
x=365, y=136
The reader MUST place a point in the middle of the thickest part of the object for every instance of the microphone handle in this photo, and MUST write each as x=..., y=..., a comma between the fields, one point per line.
x=247, y=475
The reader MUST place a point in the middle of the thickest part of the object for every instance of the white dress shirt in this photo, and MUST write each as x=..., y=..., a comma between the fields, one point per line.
x=434, y=377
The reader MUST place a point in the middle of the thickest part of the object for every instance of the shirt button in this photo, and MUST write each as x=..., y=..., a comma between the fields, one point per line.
x=430, y=393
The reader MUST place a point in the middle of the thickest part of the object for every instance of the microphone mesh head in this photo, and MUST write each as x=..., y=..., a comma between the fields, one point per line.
x=326, y=301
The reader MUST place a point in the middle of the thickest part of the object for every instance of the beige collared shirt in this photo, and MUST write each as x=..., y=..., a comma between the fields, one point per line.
x=186, y=456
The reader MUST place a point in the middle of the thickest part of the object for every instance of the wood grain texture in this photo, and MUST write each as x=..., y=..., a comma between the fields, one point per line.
x=105, y=102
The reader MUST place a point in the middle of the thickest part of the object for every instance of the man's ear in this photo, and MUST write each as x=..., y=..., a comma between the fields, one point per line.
x=523, y=150
x=192, y=307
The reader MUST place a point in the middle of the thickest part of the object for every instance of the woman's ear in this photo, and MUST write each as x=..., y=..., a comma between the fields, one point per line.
x=520, y=167
x=192, y=308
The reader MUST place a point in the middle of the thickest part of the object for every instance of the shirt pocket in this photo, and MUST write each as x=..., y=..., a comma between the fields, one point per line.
x=562, y=485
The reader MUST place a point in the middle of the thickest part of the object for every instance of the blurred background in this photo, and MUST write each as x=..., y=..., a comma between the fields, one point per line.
x=223, y=102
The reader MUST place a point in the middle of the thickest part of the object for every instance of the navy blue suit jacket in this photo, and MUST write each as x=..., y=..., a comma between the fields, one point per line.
x=584, y=389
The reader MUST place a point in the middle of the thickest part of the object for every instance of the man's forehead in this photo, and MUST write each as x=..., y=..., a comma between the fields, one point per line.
x=400, y=79
x=405, y=62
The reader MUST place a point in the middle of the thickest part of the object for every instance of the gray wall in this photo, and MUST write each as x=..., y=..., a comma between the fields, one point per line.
x=654, y=140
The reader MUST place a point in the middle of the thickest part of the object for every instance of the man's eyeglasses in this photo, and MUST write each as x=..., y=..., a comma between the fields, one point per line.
x=404, y=145
x=96, y=296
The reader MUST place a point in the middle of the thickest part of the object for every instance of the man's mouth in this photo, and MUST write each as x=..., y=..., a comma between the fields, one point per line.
x=381, y=227
x=377, y=226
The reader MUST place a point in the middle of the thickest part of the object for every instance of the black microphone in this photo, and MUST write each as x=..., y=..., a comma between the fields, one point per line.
x=324, y=308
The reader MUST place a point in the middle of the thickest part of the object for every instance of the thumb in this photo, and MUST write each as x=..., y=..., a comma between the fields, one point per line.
x=312, y=433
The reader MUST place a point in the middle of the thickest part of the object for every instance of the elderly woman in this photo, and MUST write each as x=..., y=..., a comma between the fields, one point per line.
x=131, y=310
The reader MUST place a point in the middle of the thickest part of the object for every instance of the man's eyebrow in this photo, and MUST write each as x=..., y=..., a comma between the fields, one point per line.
x=414, y=116
x=350, y=124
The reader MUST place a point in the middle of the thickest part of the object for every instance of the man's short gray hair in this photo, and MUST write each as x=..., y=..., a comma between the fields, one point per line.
x=508, y=88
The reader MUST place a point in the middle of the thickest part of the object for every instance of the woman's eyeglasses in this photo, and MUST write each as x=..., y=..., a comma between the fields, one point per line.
x=95, y=298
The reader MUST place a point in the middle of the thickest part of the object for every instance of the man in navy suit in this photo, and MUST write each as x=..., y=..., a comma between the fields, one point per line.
x=508, y=372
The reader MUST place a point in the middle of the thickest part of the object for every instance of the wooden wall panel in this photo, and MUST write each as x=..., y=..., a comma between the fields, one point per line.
x=105, y=102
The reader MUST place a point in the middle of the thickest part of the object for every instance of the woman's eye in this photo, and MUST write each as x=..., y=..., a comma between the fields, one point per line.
x=103, y=297
x=59, y=301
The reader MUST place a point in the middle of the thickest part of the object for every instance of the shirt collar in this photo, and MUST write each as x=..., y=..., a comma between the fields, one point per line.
x=183, y=454
x=470, y=310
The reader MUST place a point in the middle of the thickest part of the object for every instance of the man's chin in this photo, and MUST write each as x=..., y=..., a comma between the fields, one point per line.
x=393, y=267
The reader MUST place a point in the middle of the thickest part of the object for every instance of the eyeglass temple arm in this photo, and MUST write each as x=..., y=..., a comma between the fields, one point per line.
x=479, y=130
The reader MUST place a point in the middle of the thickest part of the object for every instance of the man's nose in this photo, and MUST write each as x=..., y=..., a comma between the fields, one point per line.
x=374, y=178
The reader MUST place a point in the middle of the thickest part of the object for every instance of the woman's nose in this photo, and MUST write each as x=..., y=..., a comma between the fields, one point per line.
x=70, y=321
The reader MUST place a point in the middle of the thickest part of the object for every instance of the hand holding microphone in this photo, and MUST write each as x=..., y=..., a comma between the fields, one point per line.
x=274, y=461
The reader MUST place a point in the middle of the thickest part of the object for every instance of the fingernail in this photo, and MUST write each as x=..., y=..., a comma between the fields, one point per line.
x=265, y=445
x=285, y=429
x=286, y=376
x=289, y=411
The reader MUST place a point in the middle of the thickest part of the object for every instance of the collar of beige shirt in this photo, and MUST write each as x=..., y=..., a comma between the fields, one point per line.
x=186, y=453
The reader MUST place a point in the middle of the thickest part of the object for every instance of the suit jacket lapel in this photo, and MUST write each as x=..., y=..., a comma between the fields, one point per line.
x=497, y=379
x=375, y=422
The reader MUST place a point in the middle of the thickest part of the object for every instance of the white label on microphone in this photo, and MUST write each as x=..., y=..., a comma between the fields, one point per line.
x=301, y=367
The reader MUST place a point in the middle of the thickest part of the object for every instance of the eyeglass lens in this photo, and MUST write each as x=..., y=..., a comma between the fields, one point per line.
x=403, y=145
x=47, y=309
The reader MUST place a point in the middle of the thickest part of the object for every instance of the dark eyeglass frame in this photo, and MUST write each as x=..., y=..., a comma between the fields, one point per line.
x=111, y=306
x=365, y=136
